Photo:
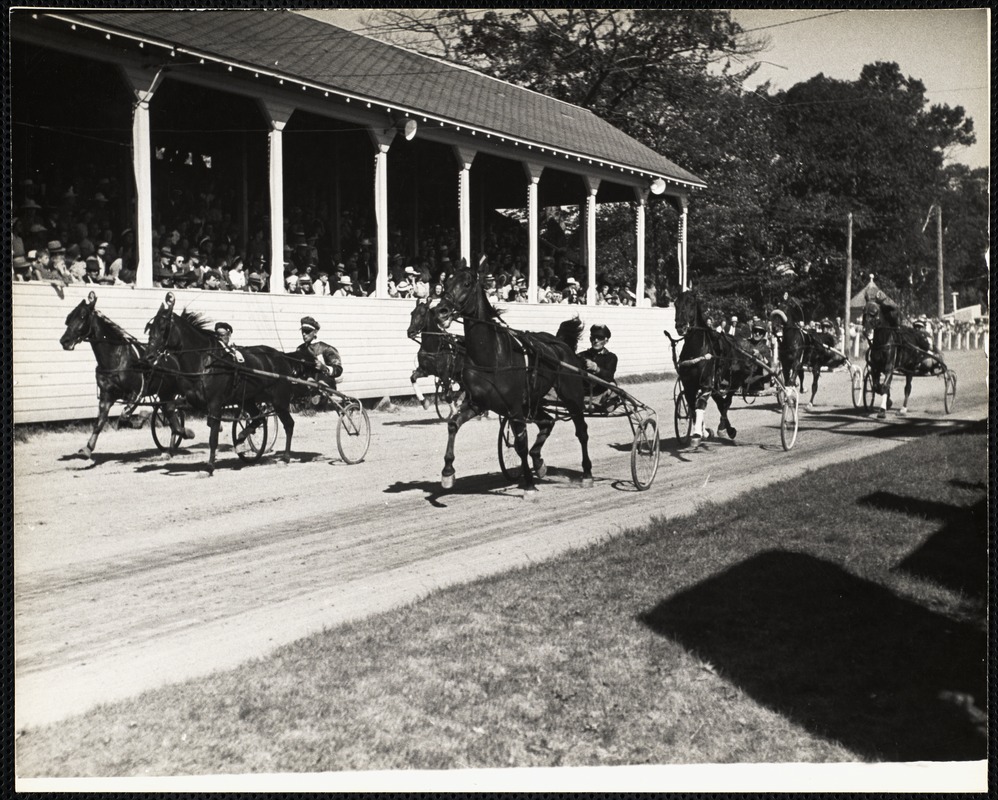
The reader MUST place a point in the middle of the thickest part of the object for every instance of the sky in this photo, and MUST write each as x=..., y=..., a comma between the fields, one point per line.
x=948, y=50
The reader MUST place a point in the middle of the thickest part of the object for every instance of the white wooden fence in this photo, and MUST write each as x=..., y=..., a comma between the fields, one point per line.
x=52, y=384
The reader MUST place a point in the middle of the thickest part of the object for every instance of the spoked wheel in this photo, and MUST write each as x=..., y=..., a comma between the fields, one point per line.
x=856, y=377
x=867, y=388
x=444, y=392
x=789, y=418
x=353, y=432
x=254, y=432
x=949, y=397
x=162, y=433
x=509, y=460
x=683, y=419
x=644, y=453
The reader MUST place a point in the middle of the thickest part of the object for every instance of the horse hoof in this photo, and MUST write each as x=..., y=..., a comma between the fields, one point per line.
x=85, y=452
x=285, y=459
x=881, y=414
x=695, y=440
x=810, y=406
x=902, y=412
x=732, y=433
x=541, y=470
x=447, y=481
x=531, y=493
x=426, y=404
x=587, y=482
x=210, y=469
x=188, y=433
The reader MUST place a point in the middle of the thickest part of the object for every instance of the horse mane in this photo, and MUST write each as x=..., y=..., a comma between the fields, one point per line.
x=196, y=320
x=890, y=315
x=115, y=328
x=794, y=311
x=570, y=331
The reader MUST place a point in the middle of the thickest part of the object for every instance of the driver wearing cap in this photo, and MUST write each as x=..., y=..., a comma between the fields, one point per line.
x=601, y=363
x=325, y=357
x=224, y=332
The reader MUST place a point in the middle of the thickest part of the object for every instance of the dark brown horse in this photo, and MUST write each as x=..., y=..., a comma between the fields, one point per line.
x=801, y=349
x=123, y=373
x=439, y=354
x=711, y=365
x=213, y=379
x=510, y=372
x=894, y=348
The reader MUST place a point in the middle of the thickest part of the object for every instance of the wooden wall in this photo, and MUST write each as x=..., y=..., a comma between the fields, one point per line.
x=51, y=384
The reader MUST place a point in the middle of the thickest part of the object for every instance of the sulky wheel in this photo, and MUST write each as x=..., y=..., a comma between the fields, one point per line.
x=683, y=419
x=644, y=453
x=162, y=433
x=856, y=378
x=249, y=436
x=789, y=418
x=353, y=432
x=509, y=459
x=949, y=396
x=867, y=388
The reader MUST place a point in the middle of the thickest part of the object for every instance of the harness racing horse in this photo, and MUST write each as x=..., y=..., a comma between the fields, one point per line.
x=437, y=354
x=894, y=348
x=123, y=373
x=212, y=379
x=710, y=365
x=802, y=349
x=510, y=373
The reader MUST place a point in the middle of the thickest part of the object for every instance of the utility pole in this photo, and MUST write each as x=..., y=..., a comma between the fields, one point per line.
x=939, y=256
x=846, y=320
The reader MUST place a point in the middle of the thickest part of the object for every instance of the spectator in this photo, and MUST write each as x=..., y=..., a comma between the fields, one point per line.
x=345, y=288
x=322, y=287
x=237, y=275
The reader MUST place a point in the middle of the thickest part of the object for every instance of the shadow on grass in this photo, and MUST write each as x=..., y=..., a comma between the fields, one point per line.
x=839, y=655
x=956, y=556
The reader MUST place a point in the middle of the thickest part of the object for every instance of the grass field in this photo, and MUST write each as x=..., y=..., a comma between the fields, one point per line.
x=839, y=617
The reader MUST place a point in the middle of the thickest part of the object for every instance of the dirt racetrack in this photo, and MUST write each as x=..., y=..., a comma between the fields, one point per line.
x=133, y=570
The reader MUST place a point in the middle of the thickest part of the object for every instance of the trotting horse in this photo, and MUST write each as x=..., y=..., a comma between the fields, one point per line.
x=510, y=373
x=437, y=356
x=123, y=373
x=213, y=379
x=894, y=348
x=710, y=365
x=802, y=349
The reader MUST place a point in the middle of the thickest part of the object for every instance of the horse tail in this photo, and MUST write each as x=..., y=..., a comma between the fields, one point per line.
x=570, y=331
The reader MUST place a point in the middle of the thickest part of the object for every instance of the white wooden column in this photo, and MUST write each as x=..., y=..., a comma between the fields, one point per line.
x=681, y=243
x=465, y=156
x=533, y=172
x=641, y=203
x=278, y=115
x=592, y=186
x=382, y=139
x=144, y=84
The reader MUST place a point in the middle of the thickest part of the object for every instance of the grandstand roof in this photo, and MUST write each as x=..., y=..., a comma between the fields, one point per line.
x=295, y=46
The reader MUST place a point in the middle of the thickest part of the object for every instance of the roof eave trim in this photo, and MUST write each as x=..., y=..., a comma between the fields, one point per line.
x=372, y=101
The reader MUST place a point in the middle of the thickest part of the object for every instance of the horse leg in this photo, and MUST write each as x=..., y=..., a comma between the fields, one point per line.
x=519, y=428
x=416, y=375
x=885, y=395
x=815, y=374
x=284, y=415
x=104, y=410
x=699, y=404
x=453, y=426
x=214, y=424
x=545, y=424
x=907, y=393
x=723, y=403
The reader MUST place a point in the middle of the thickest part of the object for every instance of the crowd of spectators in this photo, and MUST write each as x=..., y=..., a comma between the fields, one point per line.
x=83, y=234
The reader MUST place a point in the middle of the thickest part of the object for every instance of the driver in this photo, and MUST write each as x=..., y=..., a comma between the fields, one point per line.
x=601, y=363
x=224, y=332
x=325, y=357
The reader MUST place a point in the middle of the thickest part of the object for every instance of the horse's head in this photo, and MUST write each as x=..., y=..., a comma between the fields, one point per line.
x=688, y=313
x=161, y=330
x=419, y=319
x=872, y=317
x=79, y=323
x=464, y=296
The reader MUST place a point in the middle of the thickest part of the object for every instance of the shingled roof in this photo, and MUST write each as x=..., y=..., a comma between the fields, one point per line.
x=296, y=46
